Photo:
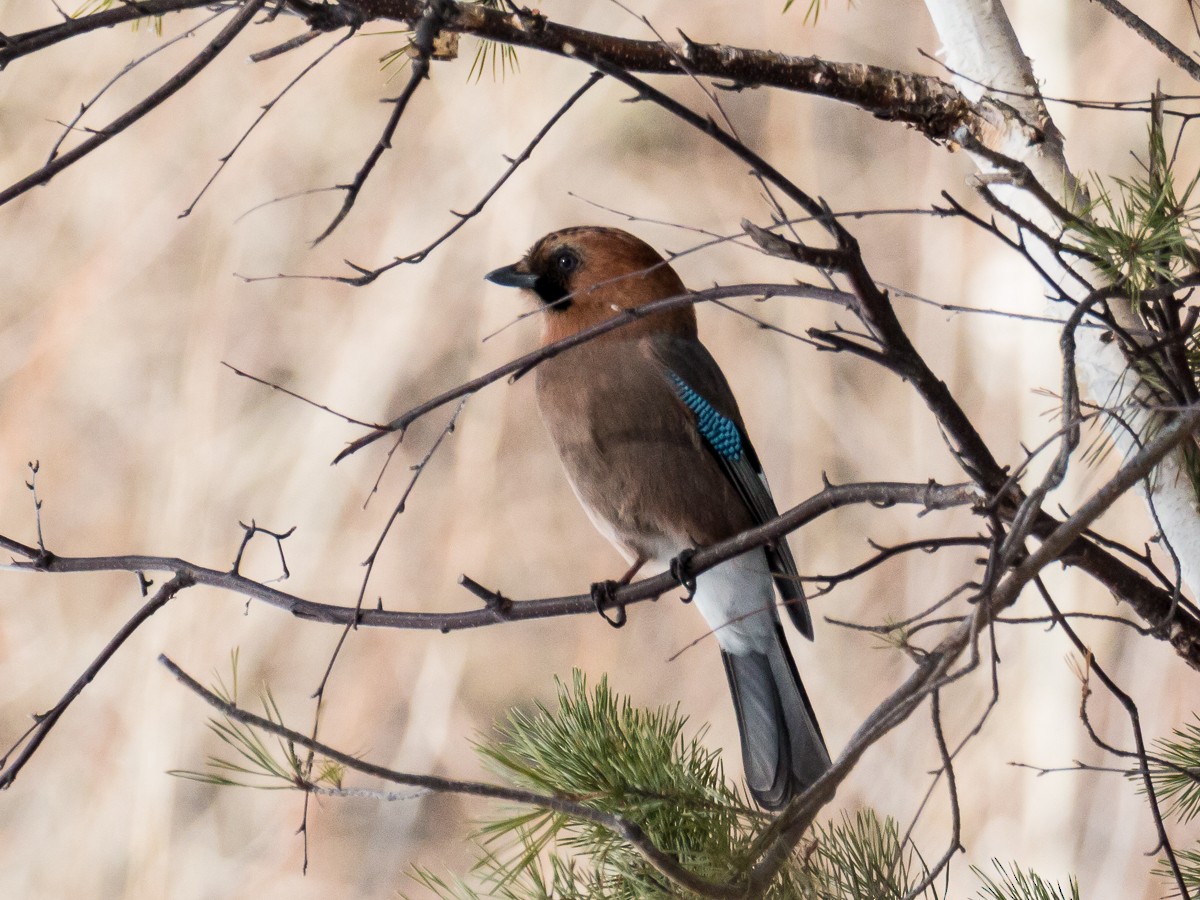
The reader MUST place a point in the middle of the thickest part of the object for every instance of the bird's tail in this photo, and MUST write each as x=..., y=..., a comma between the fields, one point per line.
x=782, y=748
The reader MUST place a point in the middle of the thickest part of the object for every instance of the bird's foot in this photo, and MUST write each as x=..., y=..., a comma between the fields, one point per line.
x=679, y=571
x=604, y=596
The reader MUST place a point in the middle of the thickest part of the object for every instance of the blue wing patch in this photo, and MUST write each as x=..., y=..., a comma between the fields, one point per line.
x=720, y=432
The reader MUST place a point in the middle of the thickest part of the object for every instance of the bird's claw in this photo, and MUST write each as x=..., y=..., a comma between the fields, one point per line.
x=603, y=596
x=679, y=571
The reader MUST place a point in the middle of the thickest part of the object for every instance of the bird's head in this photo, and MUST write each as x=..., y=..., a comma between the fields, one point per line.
x=583, y=276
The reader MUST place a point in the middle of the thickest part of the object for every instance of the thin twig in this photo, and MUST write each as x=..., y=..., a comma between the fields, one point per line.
x=925, y=545
x=530, y=360
x=138, y=110
x=424, y=35
x=955, y=846
x=369, y=563
x=44, y=722
x=69, y=127
x=1131, y=710
x=278, y=387
x=366, y=276
x=262, y=114
x=1153, y=37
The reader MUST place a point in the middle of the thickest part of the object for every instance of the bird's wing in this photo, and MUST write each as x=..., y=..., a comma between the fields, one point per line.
x=698, y=383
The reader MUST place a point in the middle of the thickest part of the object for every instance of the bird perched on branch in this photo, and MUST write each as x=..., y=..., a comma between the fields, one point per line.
x=656, y=451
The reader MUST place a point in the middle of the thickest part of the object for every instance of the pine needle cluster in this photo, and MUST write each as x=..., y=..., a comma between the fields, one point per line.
x=1014, y=883
x=94, y=6
x=256, y=762
x=1175, y=774
x=501, y=58
x=1140, y=232
x=598, y=748
x=1141, y=235
x=594, y=747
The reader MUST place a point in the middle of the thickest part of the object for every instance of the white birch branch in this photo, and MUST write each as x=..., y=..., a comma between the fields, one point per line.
x=989, y=66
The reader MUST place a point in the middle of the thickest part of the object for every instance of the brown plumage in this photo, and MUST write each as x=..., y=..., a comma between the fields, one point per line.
x=654, y=445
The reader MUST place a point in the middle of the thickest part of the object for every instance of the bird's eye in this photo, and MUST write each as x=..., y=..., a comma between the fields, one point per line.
x=566, y=261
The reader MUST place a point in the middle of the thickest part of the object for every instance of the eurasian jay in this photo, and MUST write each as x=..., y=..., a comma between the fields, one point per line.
x=655, y=449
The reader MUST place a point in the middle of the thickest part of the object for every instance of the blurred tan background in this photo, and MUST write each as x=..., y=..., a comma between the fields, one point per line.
x=116, y=316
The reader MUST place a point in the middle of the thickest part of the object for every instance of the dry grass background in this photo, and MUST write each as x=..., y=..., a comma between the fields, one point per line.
x=116, y=316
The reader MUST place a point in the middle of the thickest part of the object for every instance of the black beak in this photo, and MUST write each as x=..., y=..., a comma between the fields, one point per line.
x=510, y=276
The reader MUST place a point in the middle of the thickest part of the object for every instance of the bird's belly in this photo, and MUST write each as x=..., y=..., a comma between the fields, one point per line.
x=736, y=598
x=612, y=515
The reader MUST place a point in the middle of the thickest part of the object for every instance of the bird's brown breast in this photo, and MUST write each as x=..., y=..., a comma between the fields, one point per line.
x=631, y=448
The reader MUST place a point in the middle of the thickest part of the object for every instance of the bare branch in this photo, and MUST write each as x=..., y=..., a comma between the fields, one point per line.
x=28, y=743
x=927, y=103
x=136, y=112
x=366, y=276
x=527, y=362
x=928, y=496
x=424, y=35
x=1157, y=40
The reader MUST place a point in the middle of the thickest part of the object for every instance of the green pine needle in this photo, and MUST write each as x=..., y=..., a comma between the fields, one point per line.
x=813, y=13
x=398, y=59
x=1181, y=788
x=502, y=57
x=1140, y=231
x=255, y=763
x=595, y=747
x=598, y=748
x=1189, y=868
x=1141, y=234
x=94, y=6
x=1019, y=884
x=861, y=856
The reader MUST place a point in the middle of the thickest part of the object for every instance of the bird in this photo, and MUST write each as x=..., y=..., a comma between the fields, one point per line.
x=656, y=451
